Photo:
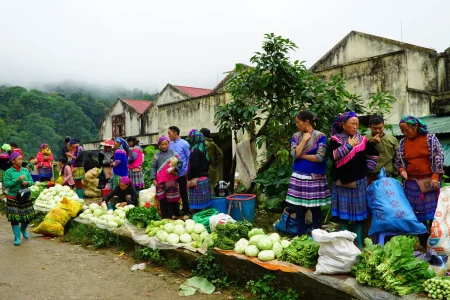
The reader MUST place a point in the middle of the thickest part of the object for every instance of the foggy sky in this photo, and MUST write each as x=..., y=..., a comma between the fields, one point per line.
x=146, y=44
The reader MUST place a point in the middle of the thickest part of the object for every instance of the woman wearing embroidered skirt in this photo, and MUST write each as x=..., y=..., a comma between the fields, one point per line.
x=352, y=155
x=308, y=187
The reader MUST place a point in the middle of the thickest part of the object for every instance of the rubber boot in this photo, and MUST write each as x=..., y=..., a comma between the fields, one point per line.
x=80, y=193
x=359, y=230
x=23, y=229
x=110, y=206
x=16, y=230
x=344, y=226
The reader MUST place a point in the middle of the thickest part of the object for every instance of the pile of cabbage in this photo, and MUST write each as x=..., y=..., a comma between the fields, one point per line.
x=48, y=198
x=265, y=247
x=100, y=215
x=179, y=231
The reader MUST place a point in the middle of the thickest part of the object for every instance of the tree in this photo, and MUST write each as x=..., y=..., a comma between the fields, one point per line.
x=266, y=99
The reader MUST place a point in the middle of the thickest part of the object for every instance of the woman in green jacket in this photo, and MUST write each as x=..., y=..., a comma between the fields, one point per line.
x=18, y=212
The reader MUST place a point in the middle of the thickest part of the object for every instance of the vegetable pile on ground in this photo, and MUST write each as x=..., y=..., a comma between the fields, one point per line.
x=179, y=231
x=37, y=189
x=48, y=198
x=437, y=288
x=265, y=247
x=142, y=216
x=393, y=268
x=302, y=251
x=102, y=216
x=226, y=235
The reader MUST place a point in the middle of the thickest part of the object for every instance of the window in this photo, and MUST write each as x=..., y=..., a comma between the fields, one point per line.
x=118, y=125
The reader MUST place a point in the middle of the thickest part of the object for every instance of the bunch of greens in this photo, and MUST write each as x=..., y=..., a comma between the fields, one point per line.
x=141, y=216
x=302, y=251
x=395, y=268
x=226, y=235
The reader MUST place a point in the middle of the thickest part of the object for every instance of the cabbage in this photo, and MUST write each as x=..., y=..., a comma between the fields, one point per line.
x=204, y=234
x=240, y=246
x=104, y=206
x=266, y=255
x=179, y=229
x=251, y=251
x=173, y=238
x=195, y=236
x=275, y=237
x=285, y=243
x=93, y=206
x=179, y=222
x=87, y=216
x=98, y=212
x=112, y=224
x=162, y=235
x=185, y=238
x=207, y=242
x=255, y=231
x=87, y=211
x=199, y=228
x=189, y=227
x=277, y=249
x=256, y=238
x=189, y=222
x=265, y=244
x=110, y=212
x=169, y=228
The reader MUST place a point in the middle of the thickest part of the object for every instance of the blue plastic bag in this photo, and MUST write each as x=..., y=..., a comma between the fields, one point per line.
x=391, y=211
x=288, y=224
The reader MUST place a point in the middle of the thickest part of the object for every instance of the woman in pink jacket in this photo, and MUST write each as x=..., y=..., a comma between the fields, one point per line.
x=65, y=171
x=135, y=160
x=45, y=159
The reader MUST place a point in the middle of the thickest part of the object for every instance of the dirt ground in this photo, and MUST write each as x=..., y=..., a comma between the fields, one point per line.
x=49, y=269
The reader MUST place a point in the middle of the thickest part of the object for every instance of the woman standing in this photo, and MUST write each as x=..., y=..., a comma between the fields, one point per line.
x=135, y=163
x=44, y=162
x=352, y=155
x=18, y=212
x=105, y=158
x=198, y=182
x=77, y=158
x=308, y=187
x=120, y=161
x=164, y=178
x=420, y=161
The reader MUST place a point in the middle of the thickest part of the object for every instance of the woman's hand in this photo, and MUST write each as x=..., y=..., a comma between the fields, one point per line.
x=404, y=175
x=21, y=177
x=306, y=137
x=434, y=184
x=122, y=204
x=24, y=183
x=353, y=141
x=155, y=183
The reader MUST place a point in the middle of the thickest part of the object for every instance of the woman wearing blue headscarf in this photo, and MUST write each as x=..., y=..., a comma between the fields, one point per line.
x=120, y=161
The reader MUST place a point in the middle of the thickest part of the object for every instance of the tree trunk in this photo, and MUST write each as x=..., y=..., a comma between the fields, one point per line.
x=232, y=172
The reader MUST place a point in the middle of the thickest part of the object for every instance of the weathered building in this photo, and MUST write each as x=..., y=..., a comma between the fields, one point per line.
x=414, y=75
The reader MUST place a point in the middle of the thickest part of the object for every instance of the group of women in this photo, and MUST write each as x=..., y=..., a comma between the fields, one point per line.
x=419, y=158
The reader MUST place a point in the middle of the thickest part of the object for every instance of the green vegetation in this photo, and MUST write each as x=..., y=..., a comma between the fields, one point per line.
x=88, y=235
x=269, y=288
x=208, y=268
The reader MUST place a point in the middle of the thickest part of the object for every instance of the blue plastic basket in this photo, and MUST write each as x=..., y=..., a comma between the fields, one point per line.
x=220, y=203
x=242, y=207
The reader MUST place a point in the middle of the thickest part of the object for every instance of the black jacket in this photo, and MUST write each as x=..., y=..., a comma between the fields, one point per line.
x=90, y=163
x=121, y=195
x=198, y=165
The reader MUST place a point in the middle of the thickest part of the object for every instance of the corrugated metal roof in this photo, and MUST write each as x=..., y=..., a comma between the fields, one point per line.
x=139, y=105
x=193, y=91
x=446, y=149
x=435, y=125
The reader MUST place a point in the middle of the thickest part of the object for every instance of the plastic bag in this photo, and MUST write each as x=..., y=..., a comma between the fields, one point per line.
x=203, y=217
x=287, y=223
x=391, y=211
x=92, y=174
x=92, y=193
x=440, y=228
x=72, y=207
x=53, y=223
x=147, y=196
x=219, y=219
x=337, y=252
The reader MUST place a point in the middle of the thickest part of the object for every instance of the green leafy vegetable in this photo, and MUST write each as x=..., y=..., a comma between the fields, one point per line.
x=226, y=235
x=141, y=216
x=302, y=251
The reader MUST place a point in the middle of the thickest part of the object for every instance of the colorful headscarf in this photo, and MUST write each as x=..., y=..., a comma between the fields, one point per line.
x=123, y=144
x=73, y=142
x=6, y=147
x=125, y=180
x=163, y=138
x=14, y=155
x=411, y=120
x=42, y=146
x=197, y=141
x=339, y=121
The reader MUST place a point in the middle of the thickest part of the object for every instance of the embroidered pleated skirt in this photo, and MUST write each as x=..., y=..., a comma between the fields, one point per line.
x=305, y=191
x=348, y=203
x=423, y=206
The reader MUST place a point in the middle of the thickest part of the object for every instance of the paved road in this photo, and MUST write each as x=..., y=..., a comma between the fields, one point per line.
x=42, y=269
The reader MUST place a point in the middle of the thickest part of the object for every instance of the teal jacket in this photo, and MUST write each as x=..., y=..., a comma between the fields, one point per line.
x=11, y=182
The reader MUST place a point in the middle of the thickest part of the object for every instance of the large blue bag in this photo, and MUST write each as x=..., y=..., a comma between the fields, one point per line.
x=288, y=223
x=391, y=211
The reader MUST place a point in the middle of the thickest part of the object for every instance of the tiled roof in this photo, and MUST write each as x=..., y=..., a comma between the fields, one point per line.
x=139, y=105
x=192, y=91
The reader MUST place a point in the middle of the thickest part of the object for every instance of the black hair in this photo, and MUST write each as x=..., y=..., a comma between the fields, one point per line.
x=206, y=132
x=63, y=160
x=307, y=115
x=376, y=120
x=14, y=145
x=90, y=154
x=67, y=139
x=176, y=129
x=134, y=140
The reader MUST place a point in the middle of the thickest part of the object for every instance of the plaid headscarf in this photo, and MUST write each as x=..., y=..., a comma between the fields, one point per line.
x=339, y=121
x=163, y=138
x=14, y=155
x=411, y=120
x=197, y=141
x=123, y=144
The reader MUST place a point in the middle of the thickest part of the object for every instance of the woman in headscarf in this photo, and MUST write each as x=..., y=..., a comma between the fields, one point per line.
x=5, y=163
x=308, y=186
x=123, y=194
x=105, y=157
x=420, y=162
x=135, y=163
x=44, y=158
x=19, y=213
x=76, y=156
x=164, y=174
x=198, y=182
x=352, y=156
x=120, y=161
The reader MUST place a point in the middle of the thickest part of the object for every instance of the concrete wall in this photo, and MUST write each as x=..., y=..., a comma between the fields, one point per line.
x=422, y=71
x=170, y=95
